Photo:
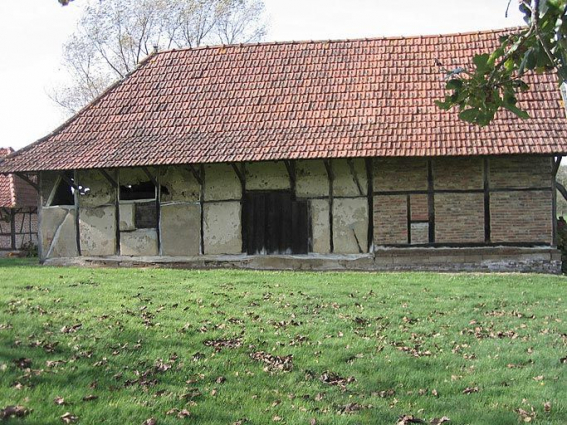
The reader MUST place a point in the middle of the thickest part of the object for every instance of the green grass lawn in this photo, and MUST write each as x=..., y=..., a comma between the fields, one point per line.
x=236, y=347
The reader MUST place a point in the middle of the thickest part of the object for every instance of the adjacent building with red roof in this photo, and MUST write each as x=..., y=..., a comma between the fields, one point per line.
x=327, y=154
x=18, y=210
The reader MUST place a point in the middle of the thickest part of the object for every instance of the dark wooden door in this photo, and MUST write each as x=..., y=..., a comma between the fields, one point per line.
x=275, y=223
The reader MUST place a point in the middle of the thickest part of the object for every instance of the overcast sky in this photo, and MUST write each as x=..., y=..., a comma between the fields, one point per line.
x=33, y=31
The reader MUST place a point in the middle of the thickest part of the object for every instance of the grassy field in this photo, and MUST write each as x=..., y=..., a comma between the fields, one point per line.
x=233, y=347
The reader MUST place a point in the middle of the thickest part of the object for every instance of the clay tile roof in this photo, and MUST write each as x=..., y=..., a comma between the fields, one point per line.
x=351, y=98
x=14, y=192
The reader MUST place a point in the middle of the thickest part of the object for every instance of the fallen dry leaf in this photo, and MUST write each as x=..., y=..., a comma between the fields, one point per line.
x=547, y=406
x=150, y=421
x=409, y=419
x=470, y=390
x=14, y=411
x=71, y=329
x=23, y=363
x=274, y=363
x=69, y=418
x=439, y=421
x=90, y=397
x=332, y=378
x=60, y=401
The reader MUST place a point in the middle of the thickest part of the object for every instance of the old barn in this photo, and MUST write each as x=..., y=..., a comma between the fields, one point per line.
x=308, y=155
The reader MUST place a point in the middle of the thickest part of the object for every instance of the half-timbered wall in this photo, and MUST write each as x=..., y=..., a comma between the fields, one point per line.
x=463, y=201
x=352, y=205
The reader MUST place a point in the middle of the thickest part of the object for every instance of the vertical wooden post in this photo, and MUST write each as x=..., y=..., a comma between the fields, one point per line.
x=202, y=208
x=243, y=214
x=487, y=225
x=13, y=228
x=77, y=222
x=370, y=193
x=117, y=210
x=329, y=168
x=431, y=201
x=39, y=218
x=158, y=210
x=555, y=163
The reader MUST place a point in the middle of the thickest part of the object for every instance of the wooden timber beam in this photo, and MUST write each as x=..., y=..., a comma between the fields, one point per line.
x=331, y=177
x=110, y=179
x=238, y=172
x=561, y=190
x=556, y=164
x=150, y=176
x=350, y=163
x=28, y=181
x=196, y=174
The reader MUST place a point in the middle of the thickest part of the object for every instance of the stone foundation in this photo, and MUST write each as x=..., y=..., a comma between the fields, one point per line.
x=487, y=259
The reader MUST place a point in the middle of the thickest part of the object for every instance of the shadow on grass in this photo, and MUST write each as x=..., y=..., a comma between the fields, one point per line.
x=19, y=262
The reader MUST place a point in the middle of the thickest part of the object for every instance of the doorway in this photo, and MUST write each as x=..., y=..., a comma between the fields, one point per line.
x=275, y=223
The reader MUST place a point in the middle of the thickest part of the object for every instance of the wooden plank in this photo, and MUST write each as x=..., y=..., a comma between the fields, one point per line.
x=259, y=221
x=408, y=211
x=237, y=172
x=286, y=230
x=250, y=225
x=272, y=233
x=556, y=164
x=13, y=229
x=300, y=229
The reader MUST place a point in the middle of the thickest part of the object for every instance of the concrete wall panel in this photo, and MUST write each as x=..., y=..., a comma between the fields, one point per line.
x=180, y=230
x=350, y=226
x=139, y=243
x=344, y=183
x=267, y=176
x=98, y=231
x=311, y=179
x=59, y=232
x=100, y=190
x=179, y=185
x=223, y=228
x=127, y=217
x=320, y=228
x=221, y=183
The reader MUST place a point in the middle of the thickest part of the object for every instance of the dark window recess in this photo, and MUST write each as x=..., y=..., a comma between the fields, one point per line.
x=276, y=224
x=146, y=216
x=142, y=190
x=64, y=192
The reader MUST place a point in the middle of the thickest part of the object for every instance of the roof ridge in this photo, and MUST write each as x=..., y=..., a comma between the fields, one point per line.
x=338, y=40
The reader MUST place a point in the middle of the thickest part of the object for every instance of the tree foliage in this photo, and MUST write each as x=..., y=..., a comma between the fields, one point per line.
x=113, y=36
x=495, y=79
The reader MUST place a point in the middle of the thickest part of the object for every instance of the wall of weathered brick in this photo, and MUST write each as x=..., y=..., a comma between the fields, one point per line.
x=520, y=200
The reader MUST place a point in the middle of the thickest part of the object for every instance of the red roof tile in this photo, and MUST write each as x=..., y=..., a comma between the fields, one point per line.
x=14, y=192
x=272, y=101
